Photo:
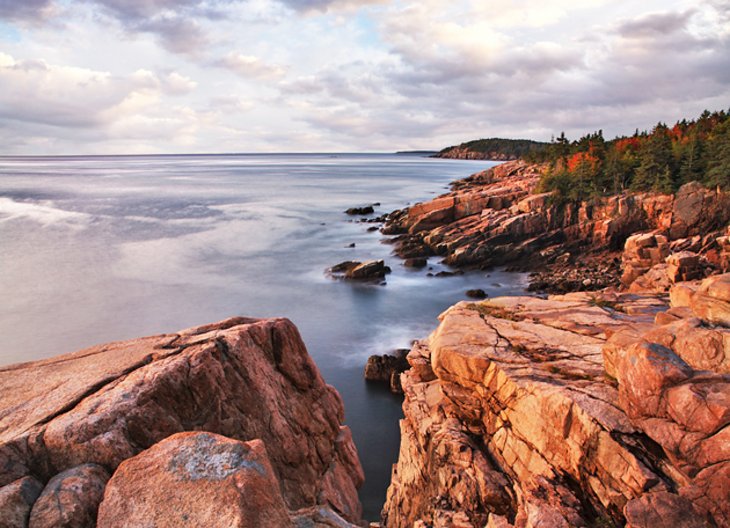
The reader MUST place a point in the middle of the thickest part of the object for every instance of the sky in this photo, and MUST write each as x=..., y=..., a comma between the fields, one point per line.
x=210, y=76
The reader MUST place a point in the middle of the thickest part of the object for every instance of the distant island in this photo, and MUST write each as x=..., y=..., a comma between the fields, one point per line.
x=498, y=149
x=417, y=152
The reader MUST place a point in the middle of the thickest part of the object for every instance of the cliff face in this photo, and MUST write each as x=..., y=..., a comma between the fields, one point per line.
x=493, y=218
x=522, y=412
x=74, y=421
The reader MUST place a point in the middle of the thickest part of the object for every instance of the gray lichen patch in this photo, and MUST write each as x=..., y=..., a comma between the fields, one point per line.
x=209, y=459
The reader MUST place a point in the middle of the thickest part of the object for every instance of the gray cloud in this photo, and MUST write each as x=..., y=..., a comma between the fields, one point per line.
x=175, y=34
x=25, y=10
x=325, y=5
x=655, y=24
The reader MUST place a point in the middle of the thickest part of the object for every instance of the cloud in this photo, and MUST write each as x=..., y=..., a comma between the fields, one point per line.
x=230, y=103
x=655, y=24
x=175, y=23
x=349, y=74
x=26, y=10
x=455, y=75
x=327, y=5
x=43, y=104
x=249, y=66
x=176, y=84
x=176, y=34
x=58, y=95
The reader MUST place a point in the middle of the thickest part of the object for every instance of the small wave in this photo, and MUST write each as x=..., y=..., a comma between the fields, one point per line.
x=44, y=213
x=385, y=339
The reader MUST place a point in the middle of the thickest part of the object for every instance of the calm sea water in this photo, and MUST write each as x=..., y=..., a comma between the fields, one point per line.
x=94, y=249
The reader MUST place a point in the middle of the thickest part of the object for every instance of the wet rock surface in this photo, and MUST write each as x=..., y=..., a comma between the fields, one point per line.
x=387, y=369
x=246, y=379
x=585, y=409
x=364, y=210
x=371, y=270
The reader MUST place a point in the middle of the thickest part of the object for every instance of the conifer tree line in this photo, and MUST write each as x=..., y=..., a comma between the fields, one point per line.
x=661, y=160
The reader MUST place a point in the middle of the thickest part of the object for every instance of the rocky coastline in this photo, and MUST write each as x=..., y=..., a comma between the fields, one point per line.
x=587, y=409
x=608, y=406
x=604, y=405
x=495, y=218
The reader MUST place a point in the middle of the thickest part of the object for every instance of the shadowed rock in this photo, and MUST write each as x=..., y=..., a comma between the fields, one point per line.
x=387, y=368
x=16, y=501
x=360, y=271
x=71, y=498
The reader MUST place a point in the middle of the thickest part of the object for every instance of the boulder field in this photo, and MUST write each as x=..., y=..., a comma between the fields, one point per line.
x=579, y=410
x=228, y=424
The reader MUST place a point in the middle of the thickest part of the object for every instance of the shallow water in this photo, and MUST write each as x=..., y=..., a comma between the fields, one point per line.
x=95, y=249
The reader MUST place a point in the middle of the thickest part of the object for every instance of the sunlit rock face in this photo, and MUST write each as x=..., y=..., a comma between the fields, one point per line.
x=82, y=415
x=496, y=218
x=574, y=410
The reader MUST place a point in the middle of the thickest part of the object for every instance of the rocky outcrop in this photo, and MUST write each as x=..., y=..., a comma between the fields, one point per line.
x=495, y=218
x=371, y=270
x=245, y=379
x=569, y=411
x=365, y=210
x=387, y=368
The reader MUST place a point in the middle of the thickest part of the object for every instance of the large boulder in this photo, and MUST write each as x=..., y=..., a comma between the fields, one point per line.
x=684, y=266
x=711, y=302
x=242, y=378
x=195, y=479
x=641, y=252
x=371, y=270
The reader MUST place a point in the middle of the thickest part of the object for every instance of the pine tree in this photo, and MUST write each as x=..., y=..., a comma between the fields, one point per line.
x=656, y=162
x=718, y=156
x=691, y=159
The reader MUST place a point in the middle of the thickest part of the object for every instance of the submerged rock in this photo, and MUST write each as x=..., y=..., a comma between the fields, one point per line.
x=417, y=262
x=365, y=210
x=477, y=293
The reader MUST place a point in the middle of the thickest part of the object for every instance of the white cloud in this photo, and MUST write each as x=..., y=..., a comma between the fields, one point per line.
x=249, y=66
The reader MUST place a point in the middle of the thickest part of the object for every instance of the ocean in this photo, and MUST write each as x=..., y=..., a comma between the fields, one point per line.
x=96, y=249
